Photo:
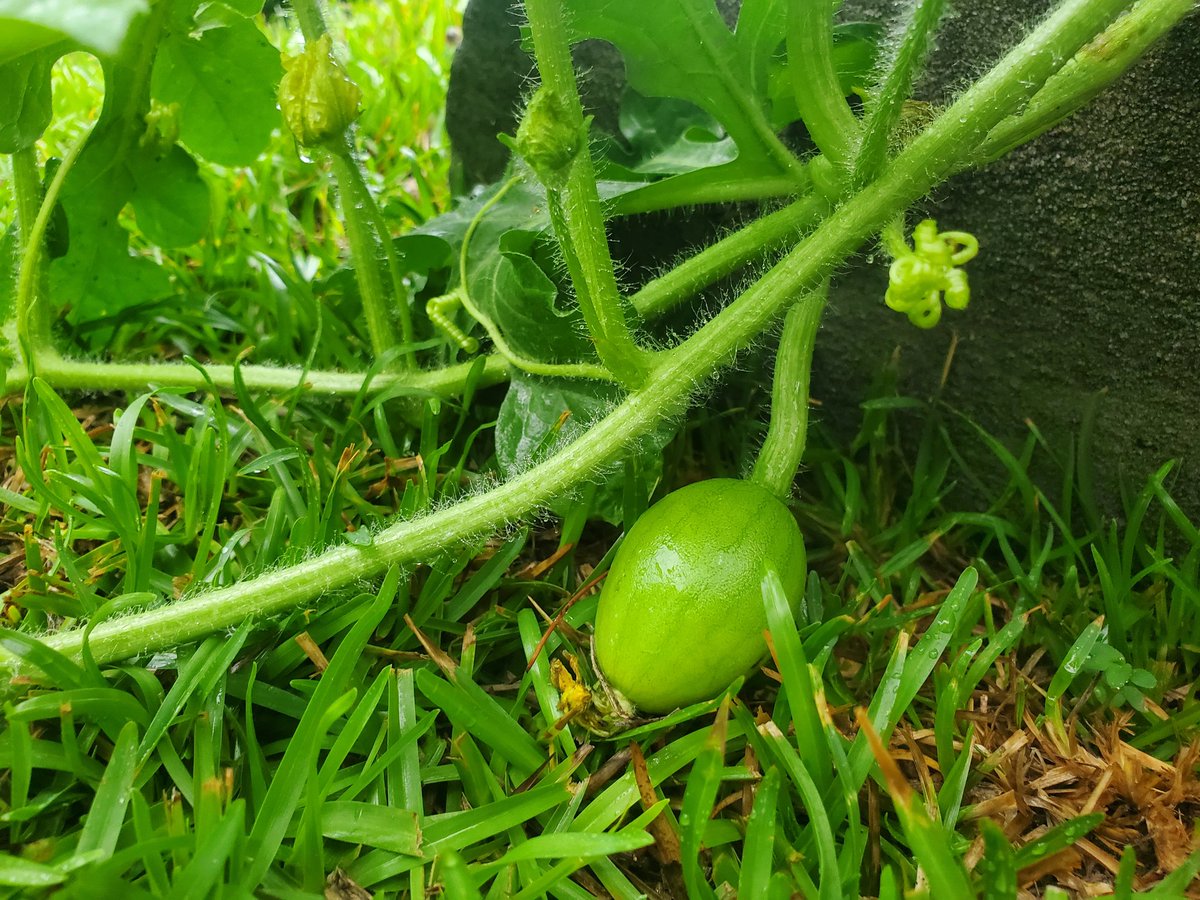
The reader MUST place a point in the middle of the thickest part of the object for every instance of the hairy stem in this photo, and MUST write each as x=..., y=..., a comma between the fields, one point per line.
x=818, y=94
x=33, y=314
x=364, y=249
x=1088, y=73
x=727, y=255
x=582, y=217
x=311, y=16
x=887, y=105
x=929, y=159
x=33, y=325
x=713, y=187
x=366, y=228
x=395, y=273
x=70, y=374
x=787, y=435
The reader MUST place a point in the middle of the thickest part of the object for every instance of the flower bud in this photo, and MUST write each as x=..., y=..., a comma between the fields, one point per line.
x=162, y=126
x=547, y=139
x=318, y=100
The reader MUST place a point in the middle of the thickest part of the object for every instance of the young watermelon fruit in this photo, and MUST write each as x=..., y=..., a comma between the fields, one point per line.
x=681, y=612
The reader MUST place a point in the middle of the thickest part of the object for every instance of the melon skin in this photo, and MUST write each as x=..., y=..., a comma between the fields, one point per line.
x=681, y=612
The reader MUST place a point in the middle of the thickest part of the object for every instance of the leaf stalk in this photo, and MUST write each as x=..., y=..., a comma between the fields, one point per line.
x=578, y=220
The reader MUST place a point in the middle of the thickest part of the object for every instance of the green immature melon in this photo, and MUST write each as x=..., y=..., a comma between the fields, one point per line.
x=681, y=613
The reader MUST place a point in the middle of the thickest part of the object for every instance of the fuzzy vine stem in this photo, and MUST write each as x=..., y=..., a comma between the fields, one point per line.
x=1087, y=73
x=728, y=255
x=663, y=293
x=815, y=85
x=886, y=106
x=787, y=434
x=33, y=326
x=683, y=190
x=364, y=246
x=33, y=321
x=929, y=159
x=400, y=294
x=366, y=227
x=311, y=16
x=68, y=374
x=580, y=224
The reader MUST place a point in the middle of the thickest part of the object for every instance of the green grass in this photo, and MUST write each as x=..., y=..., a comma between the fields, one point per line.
x=988, y=686
x=406, y=766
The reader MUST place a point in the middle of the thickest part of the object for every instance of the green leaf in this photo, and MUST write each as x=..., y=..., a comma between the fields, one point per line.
x=997, y=868
x=761, y=29
x=99, y=25
x=667, y=136
x=169, y=197
x=462, y=828
x=520, y=299
x=523, y=208
x=102, y=827
x=8, y=275
x=531, y=424
x=476, y=712
x=422, y=253
x=98, y=277
x=855, y=51
x=60, y=670
x=246, y=8
x=659, y=41
x=298, y=764
x=1076, y=658
x=456, y=877
x=1058, y=838
x=758, y=853
x=228, y=110
x=698, y=798
x=799, y=679
x=25, y=107
x=577, y=845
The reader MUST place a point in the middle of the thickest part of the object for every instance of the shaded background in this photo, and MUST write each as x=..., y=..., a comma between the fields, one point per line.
x=1085, y=295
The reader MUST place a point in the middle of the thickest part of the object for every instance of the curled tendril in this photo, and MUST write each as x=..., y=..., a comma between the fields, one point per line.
x=439, y=309
x=929, y=273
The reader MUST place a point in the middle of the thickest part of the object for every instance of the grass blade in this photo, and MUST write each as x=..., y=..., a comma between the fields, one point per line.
x=698, y=799
x=929, y=841
x=758, y=851
x=797, y=679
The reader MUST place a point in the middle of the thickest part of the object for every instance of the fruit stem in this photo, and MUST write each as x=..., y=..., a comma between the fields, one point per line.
x=366, y=227
x=787, y=435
